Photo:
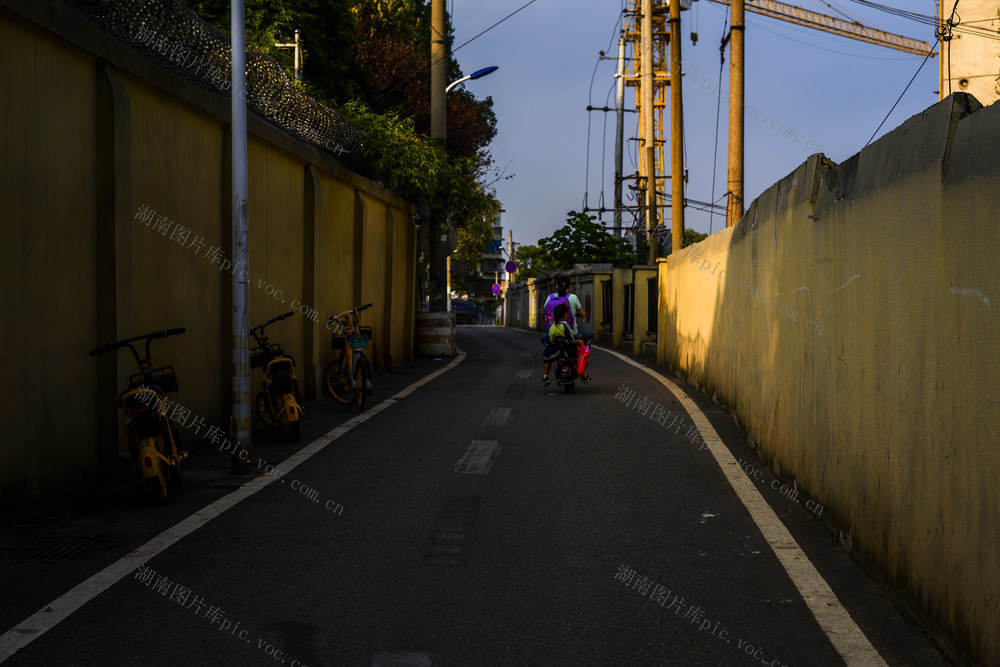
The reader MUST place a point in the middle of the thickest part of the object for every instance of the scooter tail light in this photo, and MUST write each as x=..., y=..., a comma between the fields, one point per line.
x=149, y=462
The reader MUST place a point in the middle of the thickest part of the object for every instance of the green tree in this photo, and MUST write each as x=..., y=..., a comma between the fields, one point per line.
x=391, y=43
x=531, y=261
x=369, y=58
x=691, y=237
x=581, y=240
x=329, y=70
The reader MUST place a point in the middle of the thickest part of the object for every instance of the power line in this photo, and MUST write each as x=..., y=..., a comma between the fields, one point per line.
x=922, y=63
x=466, y=42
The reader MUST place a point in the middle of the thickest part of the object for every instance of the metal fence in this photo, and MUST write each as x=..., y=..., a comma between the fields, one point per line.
x=173, y=35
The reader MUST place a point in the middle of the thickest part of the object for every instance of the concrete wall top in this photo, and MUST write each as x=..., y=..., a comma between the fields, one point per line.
x=63, y=20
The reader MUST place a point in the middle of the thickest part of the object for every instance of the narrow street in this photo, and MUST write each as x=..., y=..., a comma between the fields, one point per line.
x=483, y=520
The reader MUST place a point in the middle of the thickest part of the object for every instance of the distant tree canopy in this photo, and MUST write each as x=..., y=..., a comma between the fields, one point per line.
x=579, y=241
x=583, y=241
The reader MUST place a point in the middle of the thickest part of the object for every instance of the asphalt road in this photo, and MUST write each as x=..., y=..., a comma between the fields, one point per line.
x=482, y=521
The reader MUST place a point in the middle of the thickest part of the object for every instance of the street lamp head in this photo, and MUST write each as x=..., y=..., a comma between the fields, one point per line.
x=479, y=73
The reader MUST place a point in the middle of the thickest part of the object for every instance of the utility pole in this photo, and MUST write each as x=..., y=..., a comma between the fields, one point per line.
x=439, y=131
x=241, y=254
x=734, y=210
x=648, y=135
x=676, y=128
x=619, y=137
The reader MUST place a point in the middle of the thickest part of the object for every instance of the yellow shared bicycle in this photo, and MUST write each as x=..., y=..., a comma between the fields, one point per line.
x=349, y=377
x=153, y=443
x=279, y=403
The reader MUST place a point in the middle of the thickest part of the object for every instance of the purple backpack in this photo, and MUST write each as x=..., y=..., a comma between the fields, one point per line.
x=555, y=300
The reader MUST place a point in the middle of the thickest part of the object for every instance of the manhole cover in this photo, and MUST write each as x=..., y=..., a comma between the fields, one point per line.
x=53, y=550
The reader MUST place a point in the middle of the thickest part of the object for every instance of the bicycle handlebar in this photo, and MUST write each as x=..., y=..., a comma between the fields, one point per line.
x=356, y=309
x=151, y=336
x=277, y=319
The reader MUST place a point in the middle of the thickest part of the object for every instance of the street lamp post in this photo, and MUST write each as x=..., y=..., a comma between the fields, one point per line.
x=478, y=74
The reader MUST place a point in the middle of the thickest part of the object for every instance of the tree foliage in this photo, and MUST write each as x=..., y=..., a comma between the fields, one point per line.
x=581, y=240
x=369, y=58
x=391, y=43
x=531, y=262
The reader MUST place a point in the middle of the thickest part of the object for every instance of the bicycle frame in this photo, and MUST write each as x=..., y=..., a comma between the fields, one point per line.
x=277, y=401
x=155, y=451
x=348, y=377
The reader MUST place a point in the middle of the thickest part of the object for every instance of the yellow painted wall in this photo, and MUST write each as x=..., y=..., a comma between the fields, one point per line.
x=91, y=139
x=850, y=320
x=49, y=246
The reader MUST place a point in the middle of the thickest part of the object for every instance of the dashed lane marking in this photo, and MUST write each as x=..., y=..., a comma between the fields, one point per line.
x=498, y=418
x=478, y=458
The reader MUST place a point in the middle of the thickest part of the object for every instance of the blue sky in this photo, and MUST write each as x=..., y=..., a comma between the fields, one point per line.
x=827, y=90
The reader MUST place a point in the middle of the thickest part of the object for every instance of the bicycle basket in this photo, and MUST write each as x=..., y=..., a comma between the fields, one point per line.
x=164, y=378
x=260, y=356
x=366, y=332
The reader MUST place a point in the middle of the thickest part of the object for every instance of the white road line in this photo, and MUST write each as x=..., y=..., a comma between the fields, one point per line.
x=523, y=375
x=498, y=418
x=51, y=614
x=478, y=458
x=846, y=637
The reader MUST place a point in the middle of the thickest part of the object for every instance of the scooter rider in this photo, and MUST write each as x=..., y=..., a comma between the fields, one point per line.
x=575, y=307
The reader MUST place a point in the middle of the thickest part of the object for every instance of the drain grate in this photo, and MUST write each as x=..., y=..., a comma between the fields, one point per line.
x=53, y=550
x=449, y=543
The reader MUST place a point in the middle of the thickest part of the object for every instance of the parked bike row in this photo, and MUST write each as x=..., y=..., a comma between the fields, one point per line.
x=154, y=443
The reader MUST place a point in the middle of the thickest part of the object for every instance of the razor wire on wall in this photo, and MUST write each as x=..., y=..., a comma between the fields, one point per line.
x=173, y=35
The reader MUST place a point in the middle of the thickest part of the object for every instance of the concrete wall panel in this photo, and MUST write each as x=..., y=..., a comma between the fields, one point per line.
x=849, y=321
x=116, y=197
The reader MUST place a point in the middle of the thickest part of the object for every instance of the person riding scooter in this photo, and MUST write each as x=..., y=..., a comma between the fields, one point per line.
x=560, y=342
x=572, y=302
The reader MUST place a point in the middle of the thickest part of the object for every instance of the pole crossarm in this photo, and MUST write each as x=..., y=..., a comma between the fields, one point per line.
x=831, y=24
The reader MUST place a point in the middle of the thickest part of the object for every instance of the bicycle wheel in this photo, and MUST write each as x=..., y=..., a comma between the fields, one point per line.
x=264, y=410
x=337, y=381
x=362, y=378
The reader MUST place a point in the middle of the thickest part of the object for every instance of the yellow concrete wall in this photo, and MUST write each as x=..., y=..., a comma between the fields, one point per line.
x=50, y=251
x=92, y=135
x=850, y=320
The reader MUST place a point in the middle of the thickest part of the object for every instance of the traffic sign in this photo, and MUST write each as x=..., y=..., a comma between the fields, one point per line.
x=496, y=288
x=511, y=266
